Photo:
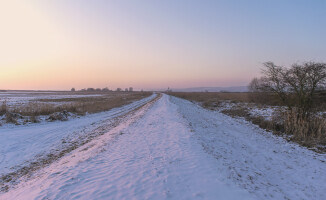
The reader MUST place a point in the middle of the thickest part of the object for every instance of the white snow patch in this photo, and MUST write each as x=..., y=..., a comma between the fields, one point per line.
x=266, y=165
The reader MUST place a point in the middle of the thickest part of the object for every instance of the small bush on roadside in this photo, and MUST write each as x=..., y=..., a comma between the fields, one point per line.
x=309, y=132
x=10, y=118
x=34, y=119
x=61, y=116
x=275, y=124
x=3, y=108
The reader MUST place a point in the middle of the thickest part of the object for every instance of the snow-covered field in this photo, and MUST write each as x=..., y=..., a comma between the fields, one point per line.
x=173, y=149
x=256, y=110
x=13, y=98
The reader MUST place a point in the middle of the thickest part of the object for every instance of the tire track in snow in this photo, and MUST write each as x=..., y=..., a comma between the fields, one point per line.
x=9, y=180
x=153, y=157
x=37, y=139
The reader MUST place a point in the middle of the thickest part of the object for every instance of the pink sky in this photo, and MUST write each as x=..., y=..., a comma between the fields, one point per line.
x=148, y=44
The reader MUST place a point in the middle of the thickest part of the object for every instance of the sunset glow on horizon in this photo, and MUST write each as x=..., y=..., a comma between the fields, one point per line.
x=56, y=45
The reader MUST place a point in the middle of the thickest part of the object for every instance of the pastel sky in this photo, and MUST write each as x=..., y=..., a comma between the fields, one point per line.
x=59, y=44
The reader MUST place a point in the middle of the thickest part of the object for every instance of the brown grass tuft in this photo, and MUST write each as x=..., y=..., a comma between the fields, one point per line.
x=10, y=118
x=79, y=106
x=308, y=131
x=213, y=98
x=3, y=108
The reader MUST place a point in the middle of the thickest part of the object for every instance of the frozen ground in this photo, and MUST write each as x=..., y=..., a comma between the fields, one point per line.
x=19, y=144
x=175, y=149
x=256, y=110
x=267, y=166
x=13, y=98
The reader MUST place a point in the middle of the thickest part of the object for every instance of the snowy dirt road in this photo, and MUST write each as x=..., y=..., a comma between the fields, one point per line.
x=38, y=139
x=173, y=149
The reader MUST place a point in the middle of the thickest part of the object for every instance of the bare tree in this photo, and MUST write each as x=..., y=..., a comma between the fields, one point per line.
x=304, y=80
x=295, y=86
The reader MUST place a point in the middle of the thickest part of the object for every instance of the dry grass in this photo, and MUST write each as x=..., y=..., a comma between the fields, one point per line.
x=34, y=119
x=36, y=109
x=79, y=106
x=10, y=118
x=213, y=98
x=308, y=131
x=275, y=124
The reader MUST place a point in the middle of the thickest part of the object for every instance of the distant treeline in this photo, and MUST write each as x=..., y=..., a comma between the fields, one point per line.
x=130, y=89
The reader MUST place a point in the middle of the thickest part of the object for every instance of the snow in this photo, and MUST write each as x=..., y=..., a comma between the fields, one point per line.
x=175, y=149
x=22, y=98
x=19, y=144
x=148, y=157
x=266, y=112
x=267, y=166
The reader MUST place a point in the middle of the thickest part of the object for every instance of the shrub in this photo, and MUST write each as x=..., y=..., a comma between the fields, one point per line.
x=308, y=131
x=34, y=119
